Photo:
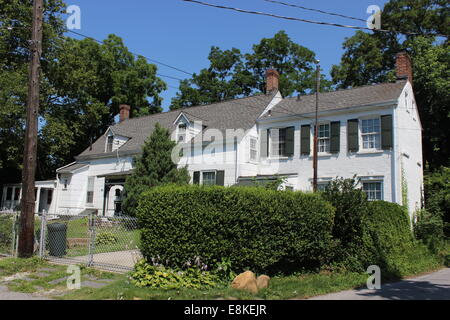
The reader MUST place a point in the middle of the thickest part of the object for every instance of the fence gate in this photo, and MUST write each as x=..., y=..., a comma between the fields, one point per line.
x=107, y=242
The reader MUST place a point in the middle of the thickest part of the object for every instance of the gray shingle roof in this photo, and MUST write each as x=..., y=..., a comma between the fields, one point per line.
x=241, y=114
x=340, y=99
x=71, y=168
x=232, y=114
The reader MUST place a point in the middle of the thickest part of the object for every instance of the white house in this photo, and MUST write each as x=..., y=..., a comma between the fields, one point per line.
x=373, y=132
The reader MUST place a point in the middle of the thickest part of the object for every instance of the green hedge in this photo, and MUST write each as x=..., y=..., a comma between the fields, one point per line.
x=394, y=248
x=262, y=230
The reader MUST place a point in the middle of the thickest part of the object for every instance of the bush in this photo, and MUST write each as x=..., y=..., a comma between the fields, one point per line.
x=6, y=233
x=394, y=248
x=263, y=230
x=105, y=238
x=353, y=243
x=437, y=196
x=429, y=228
x=157, y=276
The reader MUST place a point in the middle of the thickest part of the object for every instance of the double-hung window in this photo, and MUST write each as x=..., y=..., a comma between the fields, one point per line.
x=109, y=144
x=374, y=190
x=182, y=132
x=209, y=178
x=324, y=138
x=371, y=133
x=253, y=149
x=90, y=190
x=278, y=140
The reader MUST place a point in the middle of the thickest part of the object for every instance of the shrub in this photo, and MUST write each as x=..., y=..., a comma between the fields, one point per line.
x=264, y=230
x=157, y=276
x=394, y=248
x=6, y=233
x=353, y=243
x=437, y=196
x=105, y=238
x=429, y=229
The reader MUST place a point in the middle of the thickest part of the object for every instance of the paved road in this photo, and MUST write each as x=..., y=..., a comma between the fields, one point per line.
x=433, y=286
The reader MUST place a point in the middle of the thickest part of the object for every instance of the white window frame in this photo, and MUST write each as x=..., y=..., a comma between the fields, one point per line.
x=253, y=149
x=373, y=133
x=319, y=139
x=182, y=132
x=271, y=144
x=90, y=189
x=208, y=171
x=107, y=143
x=381, y=182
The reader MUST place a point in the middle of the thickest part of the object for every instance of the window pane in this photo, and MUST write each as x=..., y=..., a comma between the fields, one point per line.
x=374, y=190
x=209, y=178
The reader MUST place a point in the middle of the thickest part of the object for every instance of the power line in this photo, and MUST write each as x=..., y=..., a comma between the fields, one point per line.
x=314, y=10
x=101, y=42
x=308, y=21
x=136, y=54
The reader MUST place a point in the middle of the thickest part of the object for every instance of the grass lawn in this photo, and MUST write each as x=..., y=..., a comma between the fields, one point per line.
x=280, y=288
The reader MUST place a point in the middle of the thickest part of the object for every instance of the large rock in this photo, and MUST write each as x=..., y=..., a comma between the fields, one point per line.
x=245, y=281
x=263, y=282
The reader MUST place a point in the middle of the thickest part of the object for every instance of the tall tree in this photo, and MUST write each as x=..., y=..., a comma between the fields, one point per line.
x=370, y=58
x=153, y=167
x=15, y=31
x=232, y=74
x=90, y=81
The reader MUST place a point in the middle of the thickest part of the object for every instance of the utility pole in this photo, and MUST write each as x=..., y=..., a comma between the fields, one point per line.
x=316, y=128
x=26, y=232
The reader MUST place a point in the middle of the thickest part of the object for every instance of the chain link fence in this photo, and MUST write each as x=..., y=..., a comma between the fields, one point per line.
x=107, y=242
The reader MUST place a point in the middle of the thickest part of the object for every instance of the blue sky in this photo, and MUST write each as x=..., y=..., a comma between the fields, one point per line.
x=181, y=34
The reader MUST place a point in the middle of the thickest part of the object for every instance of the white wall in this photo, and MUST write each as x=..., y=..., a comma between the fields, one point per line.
x=408, y=130
x=365, y=164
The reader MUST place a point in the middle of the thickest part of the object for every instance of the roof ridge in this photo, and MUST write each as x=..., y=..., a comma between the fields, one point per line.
x=189, y=108
x=352, y=88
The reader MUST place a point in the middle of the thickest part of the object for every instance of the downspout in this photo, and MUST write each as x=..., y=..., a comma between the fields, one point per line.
x=236, y=160
x=56, y=194
x=394, y=156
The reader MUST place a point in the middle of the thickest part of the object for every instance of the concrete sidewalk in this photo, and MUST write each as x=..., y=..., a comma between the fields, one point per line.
x=433, y=286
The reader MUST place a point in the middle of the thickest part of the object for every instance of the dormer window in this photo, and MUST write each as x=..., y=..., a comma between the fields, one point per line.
x=182, y=132
x=109, y=143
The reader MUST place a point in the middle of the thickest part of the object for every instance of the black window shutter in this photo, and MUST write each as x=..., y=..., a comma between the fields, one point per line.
x=305, y=143
x=352, y=135
x=220, y=178
x=197, y=177
x=290, y=141
x=386, y=132
x=264, y=147
x=335, y=136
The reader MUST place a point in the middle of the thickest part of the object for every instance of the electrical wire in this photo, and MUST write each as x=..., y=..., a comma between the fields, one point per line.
x=306, y=20
x=315, y=10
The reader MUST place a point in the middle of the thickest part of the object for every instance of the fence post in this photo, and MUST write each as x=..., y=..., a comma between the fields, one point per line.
x=91, y=240
x=15, y=248
x=42, y=234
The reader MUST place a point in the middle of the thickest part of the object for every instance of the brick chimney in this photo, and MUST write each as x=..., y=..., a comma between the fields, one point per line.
x=124, y=112
x=404, y=67
x=272, y=81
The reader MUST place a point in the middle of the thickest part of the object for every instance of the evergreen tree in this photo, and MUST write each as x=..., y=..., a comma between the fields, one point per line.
x=153, y=167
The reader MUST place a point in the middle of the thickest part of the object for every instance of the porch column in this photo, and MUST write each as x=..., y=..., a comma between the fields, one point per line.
x=38, y=199
x=13, y=201
x=2, y=204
